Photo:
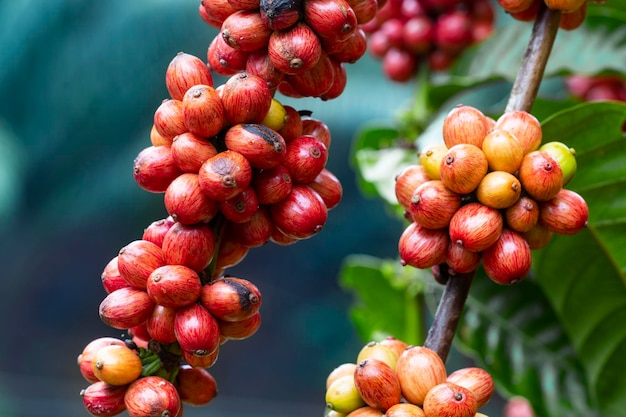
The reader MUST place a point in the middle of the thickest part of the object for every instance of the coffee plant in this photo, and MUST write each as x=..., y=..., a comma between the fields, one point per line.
x=506, y=172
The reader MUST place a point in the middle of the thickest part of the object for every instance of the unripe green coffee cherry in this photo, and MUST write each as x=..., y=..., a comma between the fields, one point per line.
x=342, y=395
x=565, y=156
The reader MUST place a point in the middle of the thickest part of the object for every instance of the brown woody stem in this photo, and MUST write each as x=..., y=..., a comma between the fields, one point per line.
x=530, y=74
x=523, y=94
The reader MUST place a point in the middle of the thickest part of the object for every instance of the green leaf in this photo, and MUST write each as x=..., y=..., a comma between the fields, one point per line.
x=387, y=298
x=586, y=50
x=584, y=276
x=514, y=334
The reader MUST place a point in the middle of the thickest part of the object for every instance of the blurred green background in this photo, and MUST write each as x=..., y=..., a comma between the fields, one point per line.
x=79, y=83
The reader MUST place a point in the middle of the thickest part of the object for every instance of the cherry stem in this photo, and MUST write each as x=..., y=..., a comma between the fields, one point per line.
x=531, y=72
x=523, y=94
x=449, y=310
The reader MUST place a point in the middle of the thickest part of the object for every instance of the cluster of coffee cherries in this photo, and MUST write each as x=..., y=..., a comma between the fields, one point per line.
x=490, y=192
x=299, y=47
x=574, y=11
x=124, y=377
x=405, y=33
x=392, y=379
x=237, y=169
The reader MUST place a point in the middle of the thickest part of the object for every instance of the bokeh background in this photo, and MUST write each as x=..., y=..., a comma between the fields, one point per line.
x=79, y=83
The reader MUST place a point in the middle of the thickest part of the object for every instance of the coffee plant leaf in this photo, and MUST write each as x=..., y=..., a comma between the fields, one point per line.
x=584, y=276
x=387, y=298
x=590, y=49
x=515, y=334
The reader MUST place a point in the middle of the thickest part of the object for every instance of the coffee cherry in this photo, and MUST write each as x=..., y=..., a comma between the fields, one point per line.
x=343, y=396
x=259, y=63
x=396, y=345
x=301, y=214
x=276, y=116
x=160, y=325
x=104, y=400
x=565, y=6
x=365, y=411
x=330, y=19
x=280, y=14
x=224, y=59
x=231, y=299
x=190, y=245
x=225, y=175
x=573, y=20
x=111, y=278
x=453, y=31
x=448, y=399
x=421, y=247
x=464, y=124
x=405, y=410
x=477, y=380
x=174, y=286
x=328, y=186
x=240, y=329
x=523, y=126
x=529, y=14
x=503, y=151
x=214, y=12
x=565, y=214
x=263, y=147
x=246, y=99
x=515, y=6
x=137, y=260
x=433, y=205
x=196, y=386
x=461, y=260
x=156, y=139
x=231, y=251
x=377, y=384
x=399, y=65
x=272, y=185
x=523, y=215
x=475, y=227
x=186, y=203
x=245, y=30
x=540, y=175
x=305, y=158
x=499, y=190
x=430, y=158
x=196, y=330
x=419, y=369
x=564, y=156
x=125, y=308
x=152, y=396
x=407, y=181
x=154, y=168
x=241, y=207
x=244, y=4
x=538, y=237
x=116, y=365
x=203, y=111
x=169, y=120
x=85, y=358
x=463, y=167
x=203, y=361
x=183, y=72
x=318, y=129
x=293, y=125
x=255, y=232
x=509, y=259
x=189, y=151
x=378, y=351
x=294, y=50
x=341, y=370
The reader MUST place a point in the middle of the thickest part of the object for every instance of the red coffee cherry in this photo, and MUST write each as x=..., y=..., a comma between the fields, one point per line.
x=316, y=81
x=214, y=12
x=465, y=124
x=174, y=286
x=263, y=147
x=155, y=232
x=523, y=215
x=461, y=260
x=245, y=30
x=125, y=308
x=477, y=380
x=85, y=358
x=524, y=127
x=301, y=214
x=540, y=175
x=160, y=325
x=260, y=64
x=196, y=330
x=509, y=259
x=204, y=362
x=272, y=185
x=419, y=369
x=186, y=203
x=318, y=129
x=225, y=60
x=137, y=260
x=203, y=111
x=246, y=98
x=448, y=399
x=331, y=19
x=154, y=168
x=294, y=50
x=111, y=278
x=240, y=329
x=104, y=400
x=407, y=181
x=255, y=232
x=328, y=186
x=152, y=396
x=225, y=175
x=280, y=15
x=433, y=205
x=538, y=237
x=190, y=151
x=190, y=245
x=475, y=227
x=565, y=214
x=377, y=383
x=169, y=120
x=231, y=299
x=196, y=386
x=463, y=167
x=241, y=207
x=305, y=158
x=421, y=247
x=183, y=72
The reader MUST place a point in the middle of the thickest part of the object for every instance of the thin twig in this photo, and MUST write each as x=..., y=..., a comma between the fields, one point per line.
x=531, y=72
x=523, y=94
